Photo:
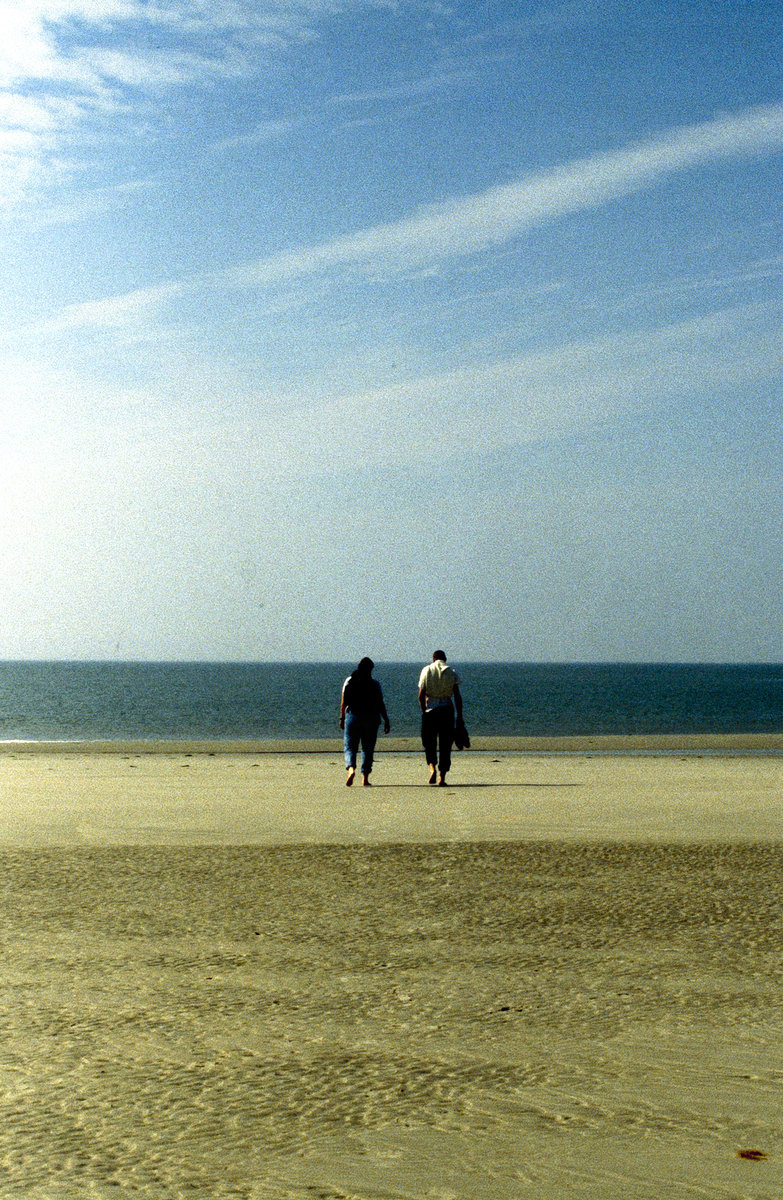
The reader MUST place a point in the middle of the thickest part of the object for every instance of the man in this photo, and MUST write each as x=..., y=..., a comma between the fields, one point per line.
x=439, y=694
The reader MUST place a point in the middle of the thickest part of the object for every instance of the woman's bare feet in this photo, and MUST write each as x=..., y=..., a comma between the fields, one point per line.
x=365, y=780
x=433, y=779
x=350, y=776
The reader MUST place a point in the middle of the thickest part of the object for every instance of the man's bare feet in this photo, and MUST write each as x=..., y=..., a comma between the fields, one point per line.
x=365, y=780
x=442, y=781
x=433, y=779
x=350, y=776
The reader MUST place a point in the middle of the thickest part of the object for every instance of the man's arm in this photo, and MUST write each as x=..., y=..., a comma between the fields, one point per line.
x=457, y=701
x=422, y=700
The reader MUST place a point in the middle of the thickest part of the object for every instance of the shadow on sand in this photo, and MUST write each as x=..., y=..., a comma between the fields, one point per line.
x=453, y=786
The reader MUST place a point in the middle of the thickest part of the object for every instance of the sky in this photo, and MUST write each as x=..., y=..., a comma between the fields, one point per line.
x=345, y=327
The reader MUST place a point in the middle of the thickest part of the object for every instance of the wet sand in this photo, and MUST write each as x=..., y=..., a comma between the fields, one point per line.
x=227, y=975
x=212, y=794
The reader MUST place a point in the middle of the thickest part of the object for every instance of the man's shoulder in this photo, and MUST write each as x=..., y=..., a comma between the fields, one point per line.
x=434, y=672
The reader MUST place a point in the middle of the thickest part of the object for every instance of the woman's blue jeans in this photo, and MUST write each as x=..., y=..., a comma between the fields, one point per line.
x=360, y=732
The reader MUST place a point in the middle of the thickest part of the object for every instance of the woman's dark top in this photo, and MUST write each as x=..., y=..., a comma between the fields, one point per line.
x=363, y=697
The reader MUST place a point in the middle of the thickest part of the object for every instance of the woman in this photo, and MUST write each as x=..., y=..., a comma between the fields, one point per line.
x=361, y=711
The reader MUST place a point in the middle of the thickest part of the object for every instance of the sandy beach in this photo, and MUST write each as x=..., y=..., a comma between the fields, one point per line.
x=227, y=975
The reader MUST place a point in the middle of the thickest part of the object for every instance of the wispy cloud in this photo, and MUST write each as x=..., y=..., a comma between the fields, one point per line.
x=544, y=18
x=130, y=310
x=83, y=203
x=370, y=104
x=474, y=223
x=460, y=413
x=264, y=131
x=540, y=396
x=90, y=43
x=466, y=413
x=409, y=89
x=467, y=226
x=66, y=62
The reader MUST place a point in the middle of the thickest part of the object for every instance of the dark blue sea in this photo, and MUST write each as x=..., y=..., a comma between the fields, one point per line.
x=81, y=700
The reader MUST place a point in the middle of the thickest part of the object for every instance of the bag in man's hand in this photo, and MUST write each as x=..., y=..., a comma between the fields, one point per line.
x=461, y=738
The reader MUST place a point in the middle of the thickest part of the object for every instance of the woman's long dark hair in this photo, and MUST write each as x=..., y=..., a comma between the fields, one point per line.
x=362, y=693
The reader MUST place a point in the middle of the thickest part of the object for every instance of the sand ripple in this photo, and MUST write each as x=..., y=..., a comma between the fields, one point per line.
x=496, y=1021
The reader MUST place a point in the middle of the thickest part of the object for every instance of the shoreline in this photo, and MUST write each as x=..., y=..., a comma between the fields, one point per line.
x=620, y=744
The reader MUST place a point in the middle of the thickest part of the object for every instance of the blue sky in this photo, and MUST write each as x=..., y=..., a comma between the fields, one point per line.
x=343, y=328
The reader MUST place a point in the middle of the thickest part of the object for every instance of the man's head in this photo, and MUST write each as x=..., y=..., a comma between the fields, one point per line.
x=439, y=656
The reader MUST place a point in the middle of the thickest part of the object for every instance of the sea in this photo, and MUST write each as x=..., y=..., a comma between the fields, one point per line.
x=97, y=701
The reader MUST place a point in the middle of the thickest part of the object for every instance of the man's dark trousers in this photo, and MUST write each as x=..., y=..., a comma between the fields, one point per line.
x=437, y=736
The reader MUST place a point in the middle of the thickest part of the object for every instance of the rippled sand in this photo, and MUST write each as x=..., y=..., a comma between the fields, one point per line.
x=422, y=1021
x=472, y=1020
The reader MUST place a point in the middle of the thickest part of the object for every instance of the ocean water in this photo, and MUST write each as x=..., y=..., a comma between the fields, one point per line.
x=81, y=700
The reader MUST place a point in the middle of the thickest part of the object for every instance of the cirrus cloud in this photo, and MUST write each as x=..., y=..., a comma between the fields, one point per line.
x=64, y=63
x=474, y=223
